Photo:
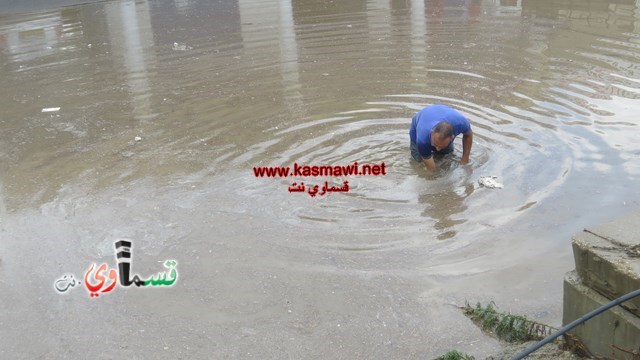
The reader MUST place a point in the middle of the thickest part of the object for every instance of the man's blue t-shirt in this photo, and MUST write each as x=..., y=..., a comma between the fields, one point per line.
x=426, y=119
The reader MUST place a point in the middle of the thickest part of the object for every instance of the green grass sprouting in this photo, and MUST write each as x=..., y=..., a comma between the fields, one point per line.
x=508, y=327
x=455, y=355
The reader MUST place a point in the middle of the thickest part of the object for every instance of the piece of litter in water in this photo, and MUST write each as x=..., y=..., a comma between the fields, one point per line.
x=51, y=109
x=181, y=47
x=137, y=138
x=490, y=182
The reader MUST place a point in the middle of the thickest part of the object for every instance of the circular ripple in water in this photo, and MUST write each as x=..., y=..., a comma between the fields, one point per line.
x=408, y=200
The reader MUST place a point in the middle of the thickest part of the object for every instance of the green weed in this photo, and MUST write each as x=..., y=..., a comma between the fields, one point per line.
x=455, y=355
x=508, y=327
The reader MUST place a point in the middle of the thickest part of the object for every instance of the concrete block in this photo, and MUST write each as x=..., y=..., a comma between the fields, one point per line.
x=623, y=231
x=615, y=326
x=608, y=258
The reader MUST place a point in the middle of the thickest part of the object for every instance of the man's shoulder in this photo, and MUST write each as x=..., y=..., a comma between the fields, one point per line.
x=439, y=111
x=430, y=115
x=435, y=108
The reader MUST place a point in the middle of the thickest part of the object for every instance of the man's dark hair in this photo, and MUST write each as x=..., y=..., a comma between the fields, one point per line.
x=443, y=129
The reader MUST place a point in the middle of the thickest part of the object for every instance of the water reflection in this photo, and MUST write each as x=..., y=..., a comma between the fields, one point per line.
x=195, y=22
x=444, y=207
x=258, y=19
x=130, y=39
x=598, y=14
x=31, y=39
x=316, y=82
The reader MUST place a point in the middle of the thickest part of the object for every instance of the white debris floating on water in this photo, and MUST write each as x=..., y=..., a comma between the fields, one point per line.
x=137, y=138
x=181, y=47
x=51, y=109
x=490, y=182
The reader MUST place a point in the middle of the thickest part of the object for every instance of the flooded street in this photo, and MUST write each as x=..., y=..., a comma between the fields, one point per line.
x=166, y=107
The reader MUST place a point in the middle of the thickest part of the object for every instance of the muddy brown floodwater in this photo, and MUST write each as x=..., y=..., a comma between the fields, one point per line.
x=165, y=108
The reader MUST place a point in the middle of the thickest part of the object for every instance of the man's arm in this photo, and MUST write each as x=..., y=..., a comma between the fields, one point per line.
x=430, y=164
x=467, y=141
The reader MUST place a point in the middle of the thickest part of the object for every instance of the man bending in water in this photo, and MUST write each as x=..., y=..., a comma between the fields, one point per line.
x=433, y=130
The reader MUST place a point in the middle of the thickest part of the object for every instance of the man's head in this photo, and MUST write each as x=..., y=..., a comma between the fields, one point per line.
x=441, y=135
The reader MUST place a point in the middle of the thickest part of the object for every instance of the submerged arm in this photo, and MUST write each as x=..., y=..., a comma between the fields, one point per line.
x=430, y=164
x=467, y=142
